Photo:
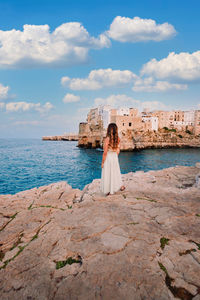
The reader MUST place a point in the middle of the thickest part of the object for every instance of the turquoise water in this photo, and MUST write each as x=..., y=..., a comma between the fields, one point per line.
x=28, y=163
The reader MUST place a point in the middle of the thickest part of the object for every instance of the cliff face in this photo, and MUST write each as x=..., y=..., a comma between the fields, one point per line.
x=143, y=243
x=161, y=139
x=130, y=140
x=90, y=136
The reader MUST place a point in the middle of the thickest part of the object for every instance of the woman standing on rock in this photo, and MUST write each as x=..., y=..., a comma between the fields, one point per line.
x=111, y=181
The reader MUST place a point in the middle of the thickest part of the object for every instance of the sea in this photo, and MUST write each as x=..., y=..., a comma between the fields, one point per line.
x=29, y=163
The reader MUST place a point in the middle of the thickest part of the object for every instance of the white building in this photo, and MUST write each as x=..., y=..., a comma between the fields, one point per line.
x=153, y=120
x=123, y=111
x=189, y=117
x=180, y=125
x=92, y=116
x=104, y=112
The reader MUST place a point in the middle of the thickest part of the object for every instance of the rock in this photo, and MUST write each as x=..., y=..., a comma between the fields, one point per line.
x=197, y=165
x=197, y=180
x=77, y=196
x=92, y=137
x=10, y=254
x=142, y=243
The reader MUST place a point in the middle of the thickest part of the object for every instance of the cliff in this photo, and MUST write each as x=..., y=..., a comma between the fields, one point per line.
x=136, y=140
x=142, y=243
x=90, y=135
x=160, y=139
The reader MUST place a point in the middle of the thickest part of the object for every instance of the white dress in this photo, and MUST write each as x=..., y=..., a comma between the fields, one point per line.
x=111, y=180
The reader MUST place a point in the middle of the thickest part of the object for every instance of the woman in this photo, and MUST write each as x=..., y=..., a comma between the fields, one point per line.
x=111, y=181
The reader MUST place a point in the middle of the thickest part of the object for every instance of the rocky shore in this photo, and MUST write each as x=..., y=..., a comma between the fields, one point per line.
x=61, y=138
x=142, y=243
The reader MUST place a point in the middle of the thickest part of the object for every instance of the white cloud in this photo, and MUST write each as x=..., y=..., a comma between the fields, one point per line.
x=68, y=44
x=149, y=84
x=44, y=108
x=117, y=100
x=136, y=30
x=81, y=84
x=154, y=105
x=65, y=80
x=182, y=66
x=101, y=78
x=71, y=98
x=27, y=106
x=21, y=105
x=16, y=106
x=124, y=100
x=4, y=92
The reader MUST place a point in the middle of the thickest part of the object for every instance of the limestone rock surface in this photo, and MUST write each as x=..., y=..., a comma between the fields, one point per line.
x=160, y=139
x=138, y=140
x=142, y=243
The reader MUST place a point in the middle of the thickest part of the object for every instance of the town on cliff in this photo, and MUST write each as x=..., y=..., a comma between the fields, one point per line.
x=139, y=130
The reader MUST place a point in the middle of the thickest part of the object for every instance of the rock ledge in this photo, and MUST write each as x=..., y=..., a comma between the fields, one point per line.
x=142, y=243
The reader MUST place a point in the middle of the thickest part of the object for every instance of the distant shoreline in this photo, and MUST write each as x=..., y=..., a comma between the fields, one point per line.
x=69, y=137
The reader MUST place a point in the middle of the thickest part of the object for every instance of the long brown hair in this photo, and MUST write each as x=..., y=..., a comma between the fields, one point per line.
x=112, y=133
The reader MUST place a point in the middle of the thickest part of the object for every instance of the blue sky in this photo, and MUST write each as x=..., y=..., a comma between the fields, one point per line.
x=58, y=59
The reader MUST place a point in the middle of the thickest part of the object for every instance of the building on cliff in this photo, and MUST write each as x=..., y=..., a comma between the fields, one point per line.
x=179, y=120
x=104, y=112
x=92, y=132
x=132, y=124
x=127, y=119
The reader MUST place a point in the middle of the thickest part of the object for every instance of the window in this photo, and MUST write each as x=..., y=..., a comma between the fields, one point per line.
x=129, y=124
x=123, y=124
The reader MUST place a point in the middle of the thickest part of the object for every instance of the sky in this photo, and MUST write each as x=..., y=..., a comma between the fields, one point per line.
x=59, y=59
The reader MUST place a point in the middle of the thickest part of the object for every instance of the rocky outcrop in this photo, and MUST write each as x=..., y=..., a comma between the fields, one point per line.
x=90, y=135
x=137, y=140
x=164, y=139
x=70, y=137
x=142, y=243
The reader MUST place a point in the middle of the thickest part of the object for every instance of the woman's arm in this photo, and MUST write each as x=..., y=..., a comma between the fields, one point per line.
x=105, y=150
